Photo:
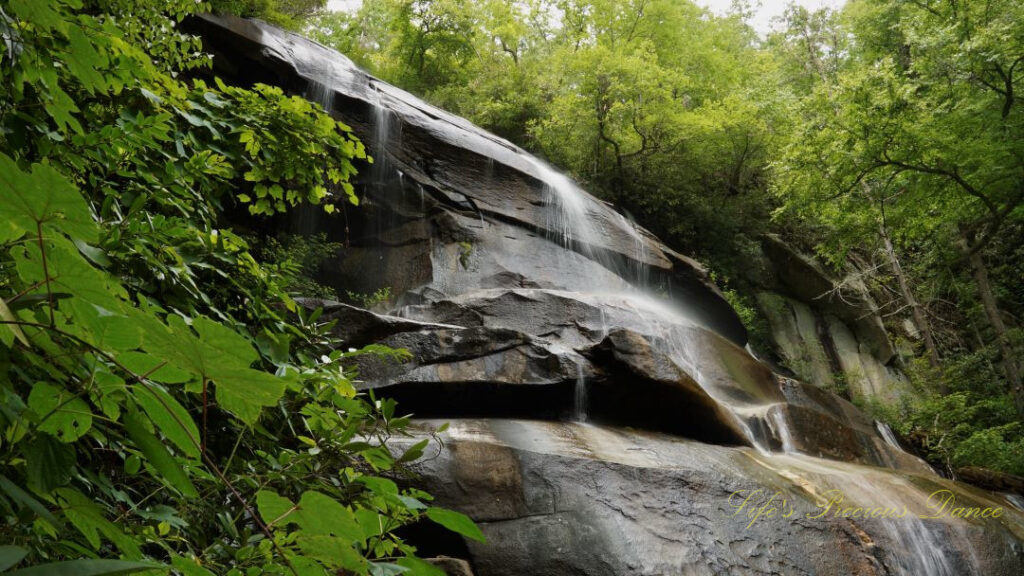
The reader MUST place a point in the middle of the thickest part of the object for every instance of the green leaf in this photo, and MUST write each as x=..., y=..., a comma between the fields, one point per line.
x=86, y=568
x=456, y=522
x=11, y=555
x=61, y=413
x=25, y=499
x=49, y=464
x=321, y=514
x=105, y=329
x=40, y=14
x=88, y=518
x=170, y=418
x=158, y=456
x=8, y=316
x=158, y=370
x=273, y=507
x=380, y=486
x=45, y=197
x=414, y=451
x=189, y=567
x=219, y=354
x=69, y=272
x=333, y=551
x=378, y=457
x=386, y=569
x=245, y=392
x=83, y=61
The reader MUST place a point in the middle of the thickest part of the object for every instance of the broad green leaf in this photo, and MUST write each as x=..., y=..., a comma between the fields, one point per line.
x=170, y=418
x=107, y=330
x=84, y=61
x=273, y=507
x=321, y=514
x=40, y=14
x=333, y=551
x=44, y=197
x=86, y=568
x=370, y=521
x=379, y=485
x=305, y=566
x=144, y=364
x=414, y=451
x=157, y=455
x=219, y=354
x=61, y=413
x=69, y=273
x=189, y=567
x=11, y=555
x=25, y=499
x=456, y=522
x=378, y=457
x=88, y=518
x=110, y=392
x=49, y=464
x=245, y=392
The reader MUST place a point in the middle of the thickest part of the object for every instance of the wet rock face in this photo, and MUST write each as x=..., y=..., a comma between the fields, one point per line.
x=485, y=204
x=516, y=301
x=562, y=498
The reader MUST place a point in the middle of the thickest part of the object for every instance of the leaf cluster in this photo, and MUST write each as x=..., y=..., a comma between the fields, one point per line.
x=159, y=381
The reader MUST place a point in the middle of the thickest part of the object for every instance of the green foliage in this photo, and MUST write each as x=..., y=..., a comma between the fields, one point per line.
x=290, y=14
x=295, y=259
x=371, y=300
x=158, y=378
x=973, y=424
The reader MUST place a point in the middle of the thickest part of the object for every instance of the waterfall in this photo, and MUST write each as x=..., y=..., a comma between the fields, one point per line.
x=319, y=92
x=887, y=434
x=580, y=395
x=925, y=545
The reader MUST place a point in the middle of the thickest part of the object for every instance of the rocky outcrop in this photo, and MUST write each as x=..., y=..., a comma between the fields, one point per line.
x=825, y=330
x=607, y=416
x=564, y=498
x=438, y=177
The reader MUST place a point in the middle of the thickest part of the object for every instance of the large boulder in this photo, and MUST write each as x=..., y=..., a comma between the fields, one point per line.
x=564, y=498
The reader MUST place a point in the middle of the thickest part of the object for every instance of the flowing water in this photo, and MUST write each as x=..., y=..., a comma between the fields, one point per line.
x=887, y=434
x=580, y=396
x=926, y=547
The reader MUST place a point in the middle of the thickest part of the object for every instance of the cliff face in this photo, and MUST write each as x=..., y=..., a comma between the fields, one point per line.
x=605, y=414
x=825, y=329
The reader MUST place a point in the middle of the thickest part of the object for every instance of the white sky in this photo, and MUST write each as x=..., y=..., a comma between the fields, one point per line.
x=767, y=9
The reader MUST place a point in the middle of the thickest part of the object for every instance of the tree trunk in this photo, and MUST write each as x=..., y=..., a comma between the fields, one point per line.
x=916, y=311
x=988, y=302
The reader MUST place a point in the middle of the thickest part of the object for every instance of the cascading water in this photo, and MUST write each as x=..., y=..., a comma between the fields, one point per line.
x=319, y=92
x=575, y=220
x=887, y=434
x=580, y=396
x=926, y=546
